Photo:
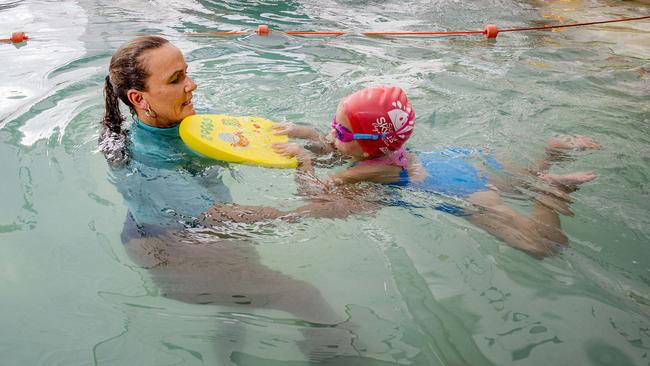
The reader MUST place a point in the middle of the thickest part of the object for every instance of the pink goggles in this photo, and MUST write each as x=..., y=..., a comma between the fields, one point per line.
x=343, y=134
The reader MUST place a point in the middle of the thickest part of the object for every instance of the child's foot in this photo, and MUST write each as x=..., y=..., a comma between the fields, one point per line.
x=577, y=142
x=571, y=180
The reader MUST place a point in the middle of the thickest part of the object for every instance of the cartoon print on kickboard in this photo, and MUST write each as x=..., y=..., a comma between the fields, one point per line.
x=236, y=139
x=206, y=128
x=231, y=122
x=242, y=141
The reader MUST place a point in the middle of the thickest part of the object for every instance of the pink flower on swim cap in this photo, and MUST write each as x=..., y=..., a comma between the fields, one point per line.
x=380, y=110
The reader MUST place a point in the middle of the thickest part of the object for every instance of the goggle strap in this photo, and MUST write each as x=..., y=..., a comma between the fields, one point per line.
x=368, y=136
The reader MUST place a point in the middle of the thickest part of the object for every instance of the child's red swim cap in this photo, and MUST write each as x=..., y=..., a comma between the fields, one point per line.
x=380, y=110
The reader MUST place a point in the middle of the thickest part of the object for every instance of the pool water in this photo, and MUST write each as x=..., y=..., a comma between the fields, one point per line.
x=409, y=285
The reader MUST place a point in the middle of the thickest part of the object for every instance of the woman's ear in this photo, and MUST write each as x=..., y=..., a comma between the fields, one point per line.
x=136, y=99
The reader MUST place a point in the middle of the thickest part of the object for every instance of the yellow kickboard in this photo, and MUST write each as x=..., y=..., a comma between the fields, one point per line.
x=245, y=140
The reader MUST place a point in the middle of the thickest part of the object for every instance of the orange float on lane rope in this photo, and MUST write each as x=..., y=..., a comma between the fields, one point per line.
x=491, y=31
x=262, y=30
x=16, y=37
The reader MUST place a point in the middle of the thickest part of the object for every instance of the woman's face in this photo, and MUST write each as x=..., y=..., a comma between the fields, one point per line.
x=169, y=88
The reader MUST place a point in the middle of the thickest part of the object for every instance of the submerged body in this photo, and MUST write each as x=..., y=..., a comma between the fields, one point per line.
x=167, y=188
x=164, y=183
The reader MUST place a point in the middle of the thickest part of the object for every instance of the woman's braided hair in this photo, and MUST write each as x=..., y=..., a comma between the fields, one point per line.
x=126, y=71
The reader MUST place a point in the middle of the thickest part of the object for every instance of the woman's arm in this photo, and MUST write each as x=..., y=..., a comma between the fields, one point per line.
x=308, y=182
x=333, y=197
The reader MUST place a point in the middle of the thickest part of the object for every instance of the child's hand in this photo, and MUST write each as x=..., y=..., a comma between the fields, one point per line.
x=293, y=131
x=290, y=150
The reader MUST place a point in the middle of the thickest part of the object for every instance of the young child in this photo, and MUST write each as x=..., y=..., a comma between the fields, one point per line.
x=371, y=127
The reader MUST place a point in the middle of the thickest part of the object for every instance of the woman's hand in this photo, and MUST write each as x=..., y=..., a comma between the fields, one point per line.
x=294, y=131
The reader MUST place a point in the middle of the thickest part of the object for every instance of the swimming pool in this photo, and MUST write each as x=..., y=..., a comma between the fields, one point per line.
x=415, y=286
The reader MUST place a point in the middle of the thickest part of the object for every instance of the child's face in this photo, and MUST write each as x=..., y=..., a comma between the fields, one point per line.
x=351, y=148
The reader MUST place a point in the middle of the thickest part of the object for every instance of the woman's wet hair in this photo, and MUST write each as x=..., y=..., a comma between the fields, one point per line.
x=127, y=71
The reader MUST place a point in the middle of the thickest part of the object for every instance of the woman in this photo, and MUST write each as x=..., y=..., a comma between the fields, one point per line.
x=172, y=186
x=166, y=188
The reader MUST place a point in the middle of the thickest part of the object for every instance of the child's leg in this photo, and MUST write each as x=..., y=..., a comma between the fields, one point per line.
x=567, y=182
x=538, y=235
x=567, y=142
x=553, y=153
x=555, y=147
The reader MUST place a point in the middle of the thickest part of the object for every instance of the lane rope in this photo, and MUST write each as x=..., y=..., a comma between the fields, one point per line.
x=490, y=31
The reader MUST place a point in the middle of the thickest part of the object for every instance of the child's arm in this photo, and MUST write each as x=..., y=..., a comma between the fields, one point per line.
x=319, y=144
x=310, y=185
x=296, y=131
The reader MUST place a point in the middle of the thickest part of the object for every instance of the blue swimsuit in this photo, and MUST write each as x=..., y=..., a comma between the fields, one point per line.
x=165, y=184
x=450, y=172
